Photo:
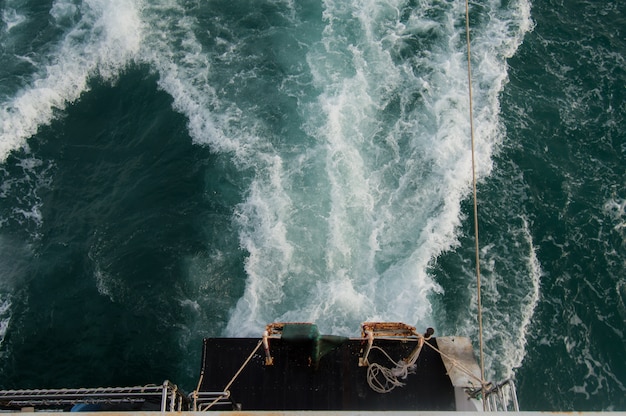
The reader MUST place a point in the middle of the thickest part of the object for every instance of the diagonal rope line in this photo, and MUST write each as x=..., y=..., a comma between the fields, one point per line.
x=235, y=376
x=471, y=117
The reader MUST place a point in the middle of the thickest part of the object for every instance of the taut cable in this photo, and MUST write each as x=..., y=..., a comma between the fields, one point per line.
x=471, y=117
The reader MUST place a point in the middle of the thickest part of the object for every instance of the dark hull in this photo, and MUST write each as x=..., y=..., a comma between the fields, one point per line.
x=336, y=382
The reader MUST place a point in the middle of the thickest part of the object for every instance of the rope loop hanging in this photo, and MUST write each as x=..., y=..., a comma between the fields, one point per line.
x=390, y=376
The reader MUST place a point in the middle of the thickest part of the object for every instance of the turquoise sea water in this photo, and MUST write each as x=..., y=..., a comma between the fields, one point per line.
x=172, y=170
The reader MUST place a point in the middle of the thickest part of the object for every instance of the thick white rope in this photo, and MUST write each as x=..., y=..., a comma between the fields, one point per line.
x=390, y=376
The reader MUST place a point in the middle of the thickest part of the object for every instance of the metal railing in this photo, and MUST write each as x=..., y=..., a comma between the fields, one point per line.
x=204, y=400
x=166, y=397
x=501, y=398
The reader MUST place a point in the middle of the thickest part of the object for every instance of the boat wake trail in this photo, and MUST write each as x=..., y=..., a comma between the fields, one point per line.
x=347, y=125
x=347, y=228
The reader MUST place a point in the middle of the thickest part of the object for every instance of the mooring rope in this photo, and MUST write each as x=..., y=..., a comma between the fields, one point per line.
x=471, y=117
x=458, y=364
x=405, y=367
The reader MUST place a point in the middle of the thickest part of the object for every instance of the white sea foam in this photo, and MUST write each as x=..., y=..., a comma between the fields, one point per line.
x=620, y=289
x=616, y=210
x=15, y=258
x=515, y=351
x=264, y=236
x=21, y=191
x=12, y=18
x=510, y=282
x=597, y=375
x=105, y=39
x=389, y=162
x=102, y=38
x=5, y=317
x=395, y=181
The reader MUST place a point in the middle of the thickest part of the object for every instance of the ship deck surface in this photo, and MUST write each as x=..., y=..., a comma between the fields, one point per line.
x=335, y=382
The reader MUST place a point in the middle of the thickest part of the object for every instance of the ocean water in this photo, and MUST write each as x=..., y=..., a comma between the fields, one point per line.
x=177, y=169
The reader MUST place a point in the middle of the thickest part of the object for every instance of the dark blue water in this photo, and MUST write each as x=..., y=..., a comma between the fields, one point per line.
x=173, y=170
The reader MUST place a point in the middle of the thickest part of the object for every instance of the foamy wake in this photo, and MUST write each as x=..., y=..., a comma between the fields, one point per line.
x=5, y=317
x=392, y=180
x=13, y=262
x=514, y=295
x=345, y=230
x=106, y=37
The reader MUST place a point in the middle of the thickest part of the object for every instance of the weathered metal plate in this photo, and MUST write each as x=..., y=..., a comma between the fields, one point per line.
x=336, y=383
x=458, y=358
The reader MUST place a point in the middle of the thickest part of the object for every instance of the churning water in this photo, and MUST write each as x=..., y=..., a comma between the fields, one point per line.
x=179, y=169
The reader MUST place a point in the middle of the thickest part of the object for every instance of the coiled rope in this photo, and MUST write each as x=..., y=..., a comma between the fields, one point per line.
x=389, y=380
x=390, y=376
x=382, y=379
